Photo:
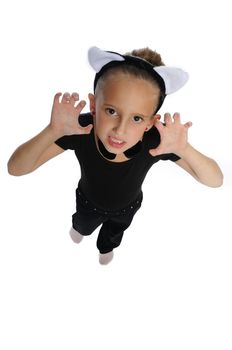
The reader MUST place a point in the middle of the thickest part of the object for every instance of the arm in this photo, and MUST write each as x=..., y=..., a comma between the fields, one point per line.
x=41, y=148
x=174, y=140
x=201, y=167
x=32, y=154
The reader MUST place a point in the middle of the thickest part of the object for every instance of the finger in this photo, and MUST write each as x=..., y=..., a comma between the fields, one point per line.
x=176, y=118
x=74, y=98
x=167, y=118
x=159, y=125
x=66, y=97
x=188, y=124
x=57, y=97
x=80, y=106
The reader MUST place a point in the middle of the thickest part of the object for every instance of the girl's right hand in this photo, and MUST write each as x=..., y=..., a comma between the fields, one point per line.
x=65, y=115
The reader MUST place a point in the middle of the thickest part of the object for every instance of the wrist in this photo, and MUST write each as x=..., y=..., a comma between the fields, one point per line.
x=53, y=133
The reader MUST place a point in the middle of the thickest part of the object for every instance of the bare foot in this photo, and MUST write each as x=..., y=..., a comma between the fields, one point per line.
x=105, y=259
x=76, y=236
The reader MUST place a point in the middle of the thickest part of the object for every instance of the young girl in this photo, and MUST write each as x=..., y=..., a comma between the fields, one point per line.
x=117, y=142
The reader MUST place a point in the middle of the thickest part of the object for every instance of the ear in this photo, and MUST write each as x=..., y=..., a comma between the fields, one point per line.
x=150, y=124
x=91, y=103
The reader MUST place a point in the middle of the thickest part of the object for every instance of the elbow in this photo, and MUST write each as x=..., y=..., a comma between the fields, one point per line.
x=216, y=179
x=14, y=171
x=10, y=169
x=218, y=182
x=220, y=179
x=216, y=185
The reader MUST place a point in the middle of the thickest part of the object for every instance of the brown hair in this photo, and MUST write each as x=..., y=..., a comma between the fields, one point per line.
x=149, y=55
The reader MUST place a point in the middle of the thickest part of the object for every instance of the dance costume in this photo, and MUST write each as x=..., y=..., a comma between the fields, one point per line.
x=110, y=193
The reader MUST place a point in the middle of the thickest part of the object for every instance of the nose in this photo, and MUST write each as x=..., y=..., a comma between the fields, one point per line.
x=120, y=127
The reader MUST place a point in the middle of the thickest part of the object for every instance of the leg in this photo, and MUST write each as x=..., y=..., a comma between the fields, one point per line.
x=86, y=219
x=110, y=237
x=112, y=230
x=86, y=222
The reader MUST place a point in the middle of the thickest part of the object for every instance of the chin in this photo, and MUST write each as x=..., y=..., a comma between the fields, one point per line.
x=113, y=150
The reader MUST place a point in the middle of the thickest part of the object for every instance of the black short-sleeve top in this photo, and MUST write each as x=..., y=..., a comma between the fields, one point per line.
x=112, y=185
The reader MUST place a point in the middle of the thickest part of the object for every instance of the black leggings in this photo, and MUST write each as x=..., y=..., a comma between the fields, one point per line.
x=87, y=218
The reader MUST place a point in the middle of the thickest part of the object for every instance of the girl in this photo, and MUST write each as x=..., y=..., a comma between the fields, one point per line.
x=117, y=142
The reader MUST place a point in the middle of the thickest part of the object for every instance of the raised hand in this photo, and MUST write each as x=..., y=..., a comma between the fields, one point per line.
x=65, y=114
x=173, y=135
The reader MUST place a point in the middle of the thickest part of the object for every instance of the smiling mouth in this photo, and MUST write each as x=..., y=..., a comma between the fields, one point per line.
x=116, y=143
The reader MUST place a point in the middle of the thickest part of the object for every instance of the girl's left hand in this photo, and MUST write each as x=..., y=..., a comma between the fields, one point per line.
x=173, y=135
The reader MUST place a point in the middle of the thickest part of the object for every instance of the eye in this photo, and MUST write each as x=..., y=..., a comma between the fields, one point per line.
x=137, y=119
x=111, y=112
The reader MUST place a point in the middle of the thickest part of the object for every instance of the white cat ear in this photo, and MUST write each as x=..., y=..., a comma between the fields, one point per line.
x=99, y=58
x=174, y=78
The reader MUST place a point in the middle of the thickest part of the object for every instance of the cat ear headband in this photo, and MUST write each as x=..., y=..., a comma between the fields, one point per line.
x=170, y=79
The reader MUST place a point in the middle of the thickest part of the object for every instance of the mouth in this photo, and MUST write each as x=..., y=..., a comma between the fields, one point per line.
x=116, y=143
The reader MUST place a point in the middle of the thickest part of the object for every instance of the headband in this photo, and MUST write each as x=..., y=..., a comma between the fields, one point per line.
x=170, y=79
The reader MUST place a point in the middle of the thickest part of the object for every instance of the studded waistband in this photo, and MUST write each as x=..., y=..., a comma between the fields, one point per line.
x=133, y=206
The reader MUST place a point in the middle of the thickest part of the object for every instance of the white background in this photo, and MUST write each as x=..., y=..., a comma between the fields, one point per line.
x=169, y=286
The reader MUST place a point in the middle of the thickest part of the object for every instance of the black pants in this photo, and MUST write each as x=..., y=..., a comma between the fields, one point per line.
x=87, y=218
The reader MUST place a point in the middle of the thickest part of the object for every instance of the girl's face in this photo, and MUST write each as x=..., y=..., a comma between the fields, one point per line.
x=124, y=110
